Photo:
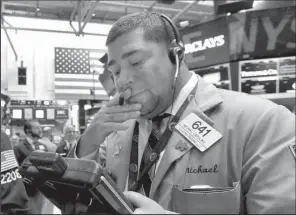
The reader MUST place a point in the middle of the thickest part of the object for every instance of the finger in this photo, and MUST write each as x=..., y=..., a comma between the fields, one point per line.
x=139, y=211
x=122, y=117
x=115, y=101
x=109, y=126
x=123, y=108
x=112, y=126
x=137, y=199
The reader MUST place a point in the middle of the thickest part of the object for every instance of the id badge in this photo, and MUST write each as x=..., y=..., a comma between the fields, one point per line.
x=198, y=132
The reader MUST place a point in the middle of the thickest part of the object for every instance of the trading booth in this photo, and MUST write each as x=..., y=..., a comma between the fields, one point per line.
x=53, y=114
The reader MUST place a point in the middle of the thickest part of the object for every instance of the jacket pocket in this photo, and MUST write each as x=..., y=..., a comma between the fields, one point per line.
x=207, y=201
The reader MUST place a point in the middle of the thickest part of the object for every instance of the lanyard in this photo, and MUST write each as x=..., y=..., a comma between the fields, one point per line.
x=133, y=182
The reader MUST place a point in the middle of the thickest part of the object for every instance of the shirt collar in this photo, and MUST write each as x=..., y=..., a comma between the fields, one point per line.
x=31, y=142
x=182, y=96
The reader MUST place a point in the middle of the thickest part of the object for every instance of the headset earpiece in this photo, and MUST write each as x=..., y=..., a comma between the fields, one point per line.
x=176, y=49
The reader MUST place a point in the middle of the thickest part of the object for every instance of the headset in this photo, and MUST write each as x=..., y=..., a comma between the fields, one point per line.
x=177, y=49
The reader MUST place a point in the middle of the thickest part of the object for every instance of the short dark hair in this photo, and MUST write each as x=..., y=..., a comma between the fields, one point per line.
x=155, y=28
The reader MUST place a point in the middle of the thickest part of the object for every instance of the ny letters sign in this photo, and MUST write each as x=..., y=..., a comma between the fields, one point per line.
x=262, y=34
x=251, y=35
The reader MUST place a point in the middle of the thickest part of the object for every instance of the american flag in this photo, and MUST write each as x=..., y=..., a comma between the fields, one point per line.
x=76, y=74
x=8, y=160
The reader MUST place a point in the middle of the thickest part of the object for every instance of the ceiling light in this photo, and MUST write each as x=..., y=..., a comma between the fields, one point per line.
x=256, y=2
x=184, y=24
x=37, y=9
x=93, y=14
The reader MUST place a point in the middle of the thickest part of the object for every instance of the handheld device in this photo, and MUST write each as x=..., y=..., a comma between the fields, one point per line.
x=50, y=162
x=107, y=191
x=60, y=179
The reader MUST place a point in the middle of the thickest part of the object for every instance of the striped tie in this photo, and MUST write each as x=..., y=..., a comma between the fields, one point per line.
x=147, y=155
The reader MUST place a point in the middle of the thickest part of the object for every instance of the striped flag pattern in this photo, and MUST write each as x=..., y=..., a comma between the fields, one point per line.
x=77, y=74
x=8, y=160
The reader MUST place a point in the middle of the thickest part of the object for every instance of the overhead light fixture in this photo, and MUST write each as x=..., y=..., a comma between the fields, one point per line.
x=37, y=9
x=165, y=1
x=184, y=24
x=256, y=2
x=62, y=102
x=93, y=14
x=234, y=6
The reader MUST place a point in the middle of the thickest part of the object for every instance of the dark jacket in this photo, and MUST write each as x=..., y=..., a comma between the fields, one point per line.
x=14, y=198
x=24, y=149
x=63, y=149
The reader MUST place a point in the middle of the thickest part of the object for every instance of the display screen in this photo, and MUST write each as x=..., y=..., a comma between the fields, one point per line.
x=50, y=113
x=287, y=75
x=218, y=75
x=259, y=76
x=39, y=114
x=206, y=44
x=28, y=113
x=17, y=114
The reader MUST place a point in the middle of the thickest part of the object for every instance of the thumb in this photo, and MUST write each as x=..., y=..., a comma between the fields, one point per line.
x=136, y=199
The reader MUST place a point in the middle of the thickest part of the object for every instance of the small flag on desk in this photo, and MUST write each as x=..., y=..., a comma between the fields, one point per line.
x=76, y=74
x=8, y=160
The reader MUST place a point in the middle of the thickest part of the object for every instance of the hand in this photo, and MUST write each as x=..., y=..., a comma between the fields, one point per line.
x=143, y=204
x=106, y=121
x=110, y=117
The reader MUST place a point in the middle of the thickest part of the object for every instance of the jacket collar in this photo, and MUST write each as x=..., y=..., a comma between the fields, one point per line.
x=207, y=95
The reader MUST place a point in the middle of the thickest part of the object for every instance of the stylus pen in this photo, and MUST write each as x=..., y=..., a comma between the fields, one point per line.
x=121, y=99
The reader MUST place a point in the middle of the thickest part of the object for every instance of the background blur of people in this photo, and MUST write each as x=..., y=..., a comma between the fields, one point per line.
x=68, y=141
x=57, y=139
x=46, y=140
x=15, y=139
x=32, y=142
x=77, y=134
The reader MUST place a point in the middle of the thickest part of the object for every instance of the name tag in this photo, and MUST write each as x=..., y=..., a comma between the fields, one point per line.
x=198, y=132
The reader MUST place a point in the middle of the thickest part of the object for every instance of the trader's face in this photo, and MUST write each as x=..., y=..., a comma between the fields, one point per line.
x=36, y=130
x=70, y=133
x=143, y=67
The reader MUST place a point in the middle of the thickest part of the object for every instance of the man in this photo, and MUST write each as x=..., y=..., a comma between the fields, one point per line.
x=68, y=141
x=13, y=194
x=229, y=153
x=15, y=139
x=47, y=139
x=32, y=142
